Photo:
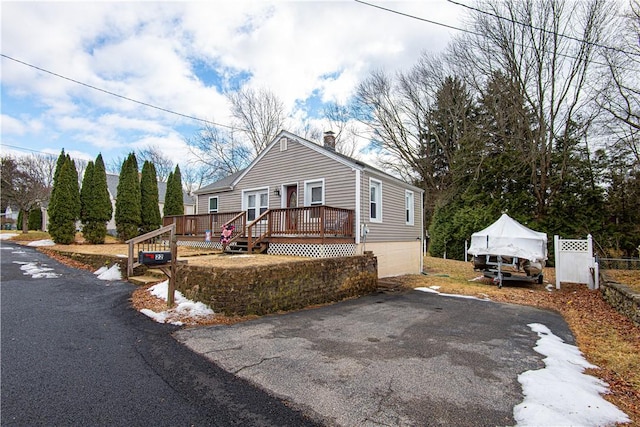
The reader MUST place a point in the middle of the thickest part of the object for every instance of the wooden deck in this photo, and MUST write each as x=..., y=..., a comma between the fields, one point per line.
x=315, y=225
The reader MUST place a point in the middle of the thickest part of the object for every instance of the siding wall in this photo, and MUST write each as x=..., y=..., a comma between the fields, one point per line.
x=285, y=167
x=393, y=227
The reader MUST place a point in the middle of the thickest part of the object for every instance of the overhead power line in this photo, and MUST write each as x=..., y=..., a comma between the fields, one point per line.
x=464, y=30
x=146, y=104
x=544, y=30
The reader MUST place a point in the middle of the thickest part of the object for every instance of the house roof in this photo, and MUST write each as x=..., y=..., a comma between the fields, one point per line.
x=112, y=185
x=228, y=182
x=221, y=184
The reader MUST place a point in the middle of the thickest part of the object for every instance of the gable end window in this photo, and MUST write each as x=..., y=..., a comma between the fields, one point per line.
x=408, y=207
x=213, y=204
x=375, y=200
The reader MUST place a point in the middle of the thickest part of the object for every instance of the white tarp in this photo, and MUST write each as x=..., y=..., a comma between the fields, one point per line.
x=507, y=237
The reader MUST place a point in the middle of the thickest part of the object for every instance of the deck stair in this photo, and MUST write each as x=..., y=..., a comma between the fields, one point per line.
x=241, y=246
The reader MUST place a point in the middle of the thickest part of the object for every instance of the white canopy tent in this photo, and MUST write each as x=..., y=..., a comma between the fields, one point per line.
x=507, y=237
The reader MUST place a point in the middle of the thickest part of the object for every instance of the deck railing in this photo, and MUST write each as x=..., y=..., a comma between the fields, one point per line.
x=304, y=222
x=198, y=225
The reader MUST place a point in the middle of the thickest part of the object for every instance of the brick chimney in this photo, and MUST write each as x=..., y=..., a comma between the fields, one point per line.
x=330, y=140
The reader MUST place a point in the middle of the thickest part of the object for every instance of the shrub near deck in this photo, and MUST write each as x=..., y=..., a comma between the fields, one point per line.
x=271, y=288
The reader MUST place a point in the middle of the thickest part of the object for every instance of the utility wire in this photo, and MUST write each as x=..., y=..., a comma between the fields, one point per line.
x=464, y=30
x=544, y=30
x=146, y=104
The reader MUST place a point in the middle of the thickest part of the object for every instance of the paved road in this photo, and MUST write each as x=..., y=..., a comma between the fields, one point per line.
x=413, y=359
x=75, y=353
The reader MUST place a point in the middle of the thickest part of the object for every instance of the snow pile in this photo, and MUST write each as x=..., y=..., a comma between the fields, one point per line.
x=37, y=272
x=434, y=290
x=561, y=394
x=47, y=242
x=112, y=273
x=6, y=236
x=185, y=308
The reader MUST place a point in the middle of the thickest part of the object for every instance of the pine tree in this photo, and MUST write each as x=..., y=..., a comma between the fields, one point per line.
x=150, y=214
x=173, y=201
x=97, y=208
x=128, y=208
x=64, y=207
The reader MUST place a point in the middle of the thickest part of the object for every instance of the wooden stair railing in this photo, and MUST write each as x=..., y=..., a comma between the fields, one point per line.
x=152, y=242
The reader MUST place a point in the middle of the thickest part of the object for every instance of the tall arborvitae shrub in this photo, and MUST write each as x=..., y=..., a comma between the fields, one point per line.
x=85, y=194
x=173, y=201
x=35, y=218
x=96, y=204
x=128, y=200
x=150, y=214
x=64, y=206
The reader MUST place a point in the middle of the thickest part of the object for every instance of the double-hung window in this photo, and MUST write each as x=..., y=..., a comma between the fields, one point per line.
x=314, y=195
x=375, y=200
x=213, y=204
x=408, y=207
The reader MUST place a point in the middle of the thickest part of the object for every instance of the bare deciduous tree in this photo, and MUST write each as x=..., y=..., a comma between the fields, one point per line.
x=164, y=165
x=22, y=185
x=218, y=153
x=259, y=114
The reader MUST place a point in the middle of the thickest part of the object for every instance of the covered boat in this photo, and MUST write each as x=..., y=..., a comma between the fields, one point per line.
x=507, y=250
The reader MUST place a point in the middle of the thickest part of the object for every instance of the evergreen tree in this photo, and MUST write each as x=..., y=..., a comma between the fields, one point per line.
x=35, y=218
x=149, y=200
x=97, y=206
x=64, y=206
x=19, y=220
x=173, y=201
x=128, y=208
x=85, y=193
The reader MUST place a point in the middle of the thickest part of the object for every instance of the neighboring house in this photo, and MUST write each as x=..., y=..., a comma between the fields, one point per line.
x=292, y=172
x=9, y=219
x=112, y=185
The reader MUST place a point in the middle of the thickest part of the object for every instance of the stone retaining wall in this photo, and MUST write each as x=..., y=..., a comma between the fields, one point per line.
x=263, y=289
x=272, y=288
x=622, y=298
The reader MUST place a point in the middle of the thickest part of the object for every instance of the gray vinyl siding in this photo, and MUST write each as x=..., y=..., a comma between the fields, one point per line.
x=296, y=165
x=393, y=227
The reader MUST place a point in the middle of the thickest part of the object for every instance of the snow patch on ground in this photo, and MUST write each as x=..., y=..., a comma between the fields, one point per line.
x=184, y=307
x=561, y=394
x=6, y=236
x=112, y=273
x=434, y=290
x=47, y=242
x=37, y=271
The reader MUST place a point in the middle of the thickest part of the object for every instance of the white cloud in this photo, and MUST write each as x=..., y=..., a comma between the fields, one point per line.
x=182, y=56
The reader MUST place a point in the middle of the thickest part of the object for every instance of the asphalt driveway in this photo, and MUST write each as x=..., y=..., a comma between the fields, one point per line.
x=388, y=359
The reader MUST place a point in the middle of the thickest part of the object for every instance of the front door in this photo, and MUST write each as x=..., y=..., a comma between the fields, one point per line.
x=292, y=202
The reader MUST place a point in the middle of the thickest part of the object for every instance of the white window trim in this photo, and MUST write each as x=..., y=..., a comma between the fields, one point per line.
x=257, y=192
x=217, y=204
x=409, y=196
x=378, y=184
x=307, y=192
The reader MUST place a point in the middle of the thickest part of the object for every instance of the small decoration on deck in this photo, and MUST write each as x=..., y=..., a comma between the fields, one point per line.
x=225, y=236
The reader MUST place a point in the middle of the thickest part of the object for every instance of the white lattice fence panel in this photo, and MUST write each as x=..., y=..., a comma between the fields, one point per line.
x=200, y=244
x=312, y=251
x=574, y=245
x=575, y=262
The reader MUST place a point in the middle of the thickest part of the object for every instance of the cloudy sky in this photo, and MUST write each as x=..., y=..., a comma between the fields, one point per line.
x=59, y=60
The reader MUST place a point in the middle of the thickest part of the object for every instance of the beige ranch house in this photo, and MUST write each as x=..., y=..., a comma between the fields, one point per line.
x=301, y=198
